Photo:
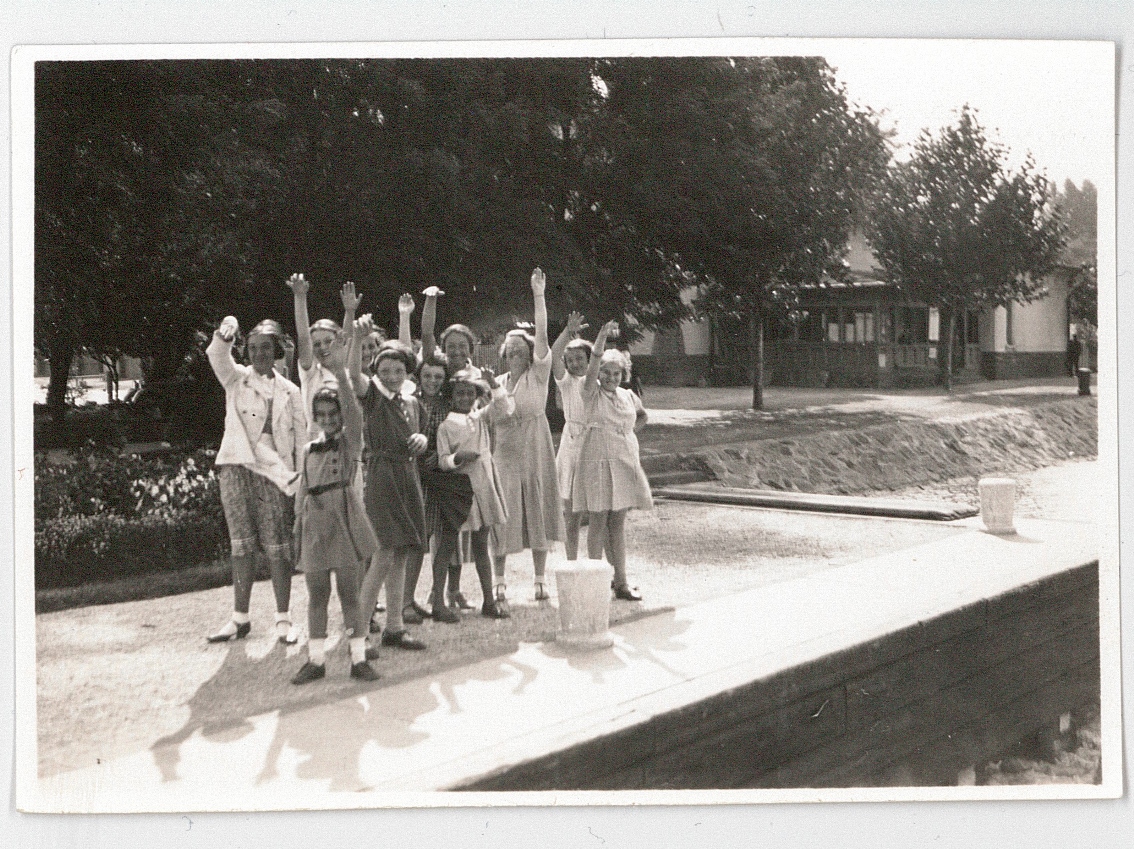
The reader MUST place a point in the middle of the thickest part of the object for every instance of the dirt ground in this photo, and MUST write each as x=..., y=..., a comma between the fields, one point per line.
x=112, y=677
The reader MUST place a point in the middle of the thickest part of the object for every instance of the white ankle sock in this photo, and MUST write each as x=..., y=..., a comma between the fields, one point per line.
x=315, y=651
x=357, y=649
x=240, y=618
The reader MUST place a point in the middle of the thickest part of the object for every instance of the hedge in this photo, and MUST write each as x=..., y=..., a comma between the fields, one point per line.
x=100, y=516
x=77, y=549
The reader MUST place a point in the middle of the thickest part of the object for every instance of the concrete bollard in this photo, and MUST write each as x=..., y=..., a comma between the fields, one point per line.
x=583, y=588
x=997, y=504
x=1084, y=376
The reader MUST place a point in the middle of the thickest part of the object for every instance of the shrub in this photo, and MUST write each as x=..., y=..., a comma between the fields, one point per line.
x=80, y=548
x=99, y=480
x=189, y=488
x=101, y=516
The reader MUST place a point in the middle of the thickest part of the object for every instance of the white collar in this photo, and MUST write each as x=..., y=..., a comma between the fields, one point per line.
x=459, y=418
x=393, y=396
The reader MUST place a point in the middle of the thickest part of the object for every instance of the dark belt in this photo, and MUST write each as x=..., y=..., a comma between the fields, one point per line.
x=326, y=487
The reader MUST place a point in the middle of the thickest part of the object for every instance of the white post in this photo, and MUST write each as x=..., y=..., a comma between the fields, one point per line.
x=583, y=589
x=997, y=504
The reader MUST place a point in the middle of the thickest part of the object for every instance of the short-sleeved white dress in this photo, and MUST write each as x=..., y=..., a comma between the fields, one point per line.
x=608, y=474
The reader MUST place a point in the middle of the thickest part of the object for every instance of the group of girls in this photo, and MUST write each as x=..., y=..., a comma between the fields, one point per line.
x=380, y=465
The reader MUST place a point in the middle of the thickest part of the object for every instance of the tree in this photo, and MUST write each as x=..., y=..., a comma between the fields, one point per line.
x=954, y=227
x=745, y=174
x=171, y=193
x=1080, y=207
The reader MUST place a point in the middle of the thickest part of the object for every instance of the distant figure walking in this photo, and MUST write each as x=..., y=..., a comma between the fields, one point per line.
x=1074, y=350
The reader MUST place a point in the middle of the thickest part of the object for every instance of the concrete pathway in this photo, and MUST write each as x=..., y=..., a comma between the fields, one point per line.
x=669, y=405
x=398, y=744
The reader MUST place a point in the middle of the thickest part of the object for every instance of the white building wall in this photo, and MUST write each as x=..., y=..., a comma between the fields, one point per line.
x=644, y=346
x=1038, y=327
x=1042, y=325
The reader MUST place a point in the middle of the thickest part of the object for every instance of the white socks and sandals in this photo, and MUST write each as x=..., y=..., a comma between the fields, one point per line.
x=239, y=626
x=316, y=666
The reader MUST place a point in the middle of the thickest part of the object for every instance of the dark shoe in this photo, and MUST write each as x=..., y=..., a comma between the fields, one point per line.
x=242, y=629
x=421, y=611
x=371, y=652
x=362, y=671
x=410, y=615
x=625, y=593
x=492, y=610
x=309, y=672
x=458, y=601
x=375, y=628
x=541, y=593
x=441, y=613
x=402, y=640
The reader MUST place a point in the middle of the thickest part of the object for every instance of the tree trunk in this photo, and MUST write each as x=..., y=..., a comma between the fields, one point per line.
x=949, y=350
x=756, y=346
x=62, y=353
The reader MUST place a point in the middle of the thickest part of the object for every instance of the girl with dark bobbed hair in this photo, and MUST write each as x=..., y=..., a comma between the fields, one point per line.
x=392, y=494
x=332, y=533
x=264, y=431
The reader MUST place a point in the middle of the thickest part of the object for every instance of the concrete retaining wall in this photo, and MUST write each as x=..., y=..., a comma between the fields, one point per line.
x=903, y=453
x=914, y=707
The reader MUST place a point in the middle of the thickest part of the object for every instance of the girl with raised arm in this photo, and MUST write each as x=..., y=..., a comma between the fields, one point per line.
x=457, y=341
x=524, y=453
x=392, y=494
x=609, y=479
x=332, y=532
x=264, y=430
x=314, y=342
x=464, y=449
x=569, y=359
x=445, y=495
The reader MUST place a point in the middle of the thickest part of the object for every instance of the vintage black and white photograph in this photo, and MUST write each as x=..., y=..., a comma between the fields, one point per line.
x=612, y=422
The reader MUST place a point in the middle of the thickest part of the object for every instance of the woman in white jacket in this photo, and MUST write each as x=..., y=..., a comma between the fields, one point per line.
x=264, y=430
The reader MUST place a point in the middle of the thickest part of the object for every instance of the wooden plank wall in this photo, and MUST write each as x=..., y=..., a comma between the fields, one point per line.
x=914, y=707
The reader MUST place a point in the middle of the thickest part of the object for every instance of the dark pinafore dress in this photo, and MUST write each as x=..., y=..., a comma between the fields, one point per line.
x=393, y=495
x=448, y=496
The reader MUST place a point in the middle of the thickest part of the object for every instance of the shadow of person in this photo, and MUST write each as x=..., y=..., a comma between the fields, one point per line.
x=221, y=706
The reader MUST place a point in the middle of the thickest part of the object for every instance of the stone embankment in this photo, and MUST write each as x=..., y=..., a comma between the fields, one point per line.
x=902, y=453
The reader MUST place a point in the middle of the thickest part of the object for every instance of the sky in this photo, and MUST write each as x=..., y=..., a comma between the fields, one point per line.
x=1054, y=99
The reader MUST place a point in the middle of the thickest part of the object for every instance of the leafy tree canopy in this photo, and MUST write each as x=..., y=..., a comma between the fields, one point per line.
x=956, y=228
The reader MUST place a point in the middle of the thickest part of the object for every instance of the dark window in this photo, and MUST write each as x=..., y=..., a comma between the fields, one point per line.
x=972, y=328
x=911, y=325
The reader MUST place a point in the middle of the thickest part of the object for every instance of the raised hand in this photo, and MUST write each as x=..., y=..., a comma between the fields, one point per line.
x=539, y=281
x=298, y=284
x=405, y=304
x=228, y=328
x=432, y=292
x=349, y=298
x=488, y=374
x=364, y=326
x=575, y=322
x=336, y=357
x=610, y=330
